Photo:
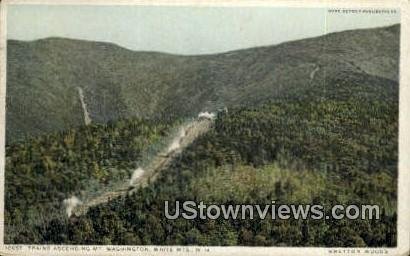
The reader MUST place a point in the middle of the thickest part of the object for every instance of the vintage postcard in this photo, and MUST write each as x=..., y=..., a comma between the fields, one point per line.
x=204, y=128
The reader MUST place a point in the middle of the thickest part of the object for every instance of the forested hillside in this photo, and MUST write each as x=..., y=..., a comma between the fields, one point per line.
x=311, y=121
x=42, y=172
x=293, y=152
x=43, y=77
x=336, y=145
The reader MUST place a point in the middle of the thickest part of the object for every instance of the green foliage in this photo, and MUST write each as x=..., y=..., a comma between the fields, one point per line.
x=332, y=135
x=43, y=171
x=328, y=140
x=318, y=152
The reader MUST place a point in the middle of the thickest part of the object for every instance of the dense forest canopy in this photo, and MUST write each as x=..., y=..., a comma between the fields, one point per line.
x=290, y=147
x=42, y=172
x=328, y=137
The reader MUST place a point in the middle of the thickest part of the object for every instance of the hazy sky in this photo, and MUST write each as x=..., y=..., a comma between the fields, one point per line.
x=182, y=30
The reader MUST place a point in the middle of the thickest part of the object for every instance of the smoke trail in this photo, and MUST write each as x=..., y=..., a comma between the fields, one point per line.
x=136, y=175
x=206, y=115
x=70, y=204
x=176, y=142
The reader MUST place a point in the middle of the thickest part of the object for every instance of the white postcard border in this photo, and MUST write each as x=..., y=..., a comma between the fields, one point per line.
x=403, y=227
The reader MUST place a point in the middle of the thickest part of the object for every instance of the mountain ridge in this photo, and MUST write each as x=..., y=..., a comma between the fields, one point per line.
x=393, y=27
x=118, y=83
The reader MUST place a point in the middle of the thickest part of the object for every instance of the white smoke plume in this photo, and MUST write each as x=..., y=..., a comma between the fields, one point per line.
x=206, y=115
x=176, y=142
x=70, y=204
x=136, y=175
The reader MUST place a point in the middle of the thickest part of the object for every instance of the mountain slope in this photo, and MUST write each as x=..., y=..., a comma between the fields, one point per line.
x=312, y=121
x=313, y=151
x=43, y=77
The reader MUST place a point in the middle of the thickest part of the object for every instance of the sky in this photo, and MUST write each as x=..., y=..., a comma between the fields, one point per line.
x=183, y=30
